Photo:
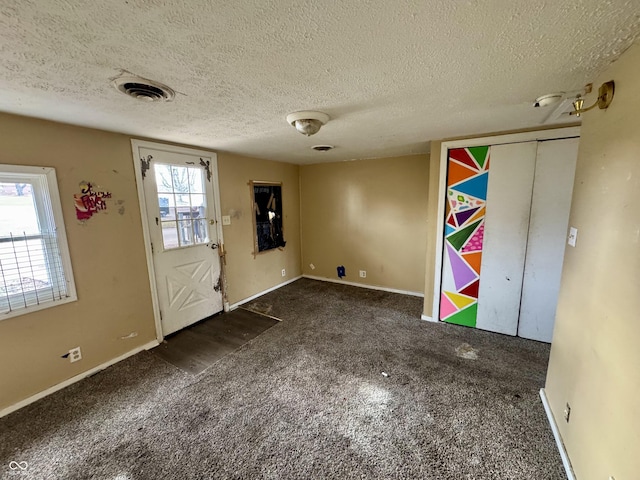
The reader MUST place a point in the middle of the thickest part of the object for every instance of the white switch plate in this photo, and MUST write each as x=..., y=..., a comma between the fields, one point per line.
x=573, y=235
x=226, y=220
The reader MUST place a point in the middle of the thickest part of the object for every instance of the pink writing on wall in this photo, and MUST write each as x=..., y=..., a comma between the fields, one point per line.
x=89, y=202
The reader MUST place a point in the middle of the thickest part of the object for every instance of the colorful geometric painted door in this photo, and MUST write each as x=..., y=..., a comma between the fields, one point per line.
x=467, y=180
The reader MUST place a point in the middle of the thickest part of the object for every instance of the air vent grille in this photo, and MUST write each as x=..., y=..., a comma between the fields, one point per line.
x=143, y=89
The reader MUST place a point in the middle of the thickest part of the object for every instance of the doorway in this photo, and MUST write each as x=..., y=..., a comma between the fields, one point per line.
x=180, y=207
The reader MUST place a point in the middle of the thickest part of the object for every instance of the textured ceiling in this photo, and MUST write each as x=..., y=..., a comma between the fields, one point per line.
x=391, y=74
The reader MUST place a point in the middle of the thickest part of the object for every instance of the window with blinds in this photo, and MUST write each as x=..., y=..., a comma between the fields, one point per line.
x=35, y=268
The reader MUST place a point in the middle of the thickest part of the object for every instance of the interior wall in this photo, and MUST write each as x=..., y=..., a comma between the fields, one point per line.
x=595, y=357
x=107, y=255
x=432, y=228
x=246, y=275
x=367, y=215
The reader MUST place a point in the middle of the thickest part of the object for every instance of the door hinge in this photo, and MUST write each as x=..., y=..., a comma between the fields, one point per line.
x=160, y=314
x=151, y=247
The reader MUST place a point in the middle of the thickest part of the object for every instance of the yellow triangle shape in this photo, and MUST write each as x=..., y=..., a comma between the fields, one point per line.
x=460, y=301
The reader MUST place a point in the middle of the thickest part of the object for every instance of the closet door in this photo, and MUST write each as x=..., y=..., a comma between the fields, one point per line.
x=505, y=236
x=550, y=206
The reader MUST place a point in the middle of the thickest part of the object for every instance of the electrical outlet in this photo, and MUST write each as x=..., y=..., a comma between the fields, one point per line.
x=75, y=354
x=567, y=412
x=363, y=274
x=284, y=272
x=226, y=220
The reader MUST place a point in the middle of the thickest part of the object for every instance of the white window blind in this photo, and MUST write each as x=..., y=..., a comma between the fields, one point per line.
x=35, y=269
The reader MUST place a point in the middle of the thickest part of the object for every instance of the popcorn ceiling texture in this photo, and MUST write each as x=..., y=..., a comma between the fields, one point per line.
x=392, y=75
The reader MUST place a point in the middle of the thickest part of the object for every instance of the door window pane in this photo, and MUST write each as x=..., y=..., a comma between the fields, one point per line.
x=185, y=232
x=170, y=235
x=164, y=180
x=183, y=205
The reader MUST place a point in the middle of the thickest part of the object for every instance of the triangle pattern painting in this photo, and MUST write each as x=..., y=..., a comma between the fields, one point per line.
x=458, y=239
x=461, y=155
x=476, y=186
x=465, y=215
x=480, y=154
x=467, y=183
x=458, y=173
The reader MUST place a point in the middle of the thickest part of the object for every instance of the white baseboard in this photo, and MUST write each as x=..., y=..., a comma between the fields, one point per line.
x=252, y=297
x=428, y=319
x=77, y=378
x=556, y=434
x=362, y=285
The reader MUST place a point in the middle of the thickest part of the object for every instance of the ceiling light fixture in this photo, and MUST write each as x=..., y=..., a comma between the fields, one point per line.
x=605, y=97
x=549, y=99
x=307, y=122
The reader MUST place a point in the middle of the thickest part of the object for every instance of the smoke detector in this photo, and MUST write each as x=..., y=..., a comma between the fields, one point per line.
x=144, y=89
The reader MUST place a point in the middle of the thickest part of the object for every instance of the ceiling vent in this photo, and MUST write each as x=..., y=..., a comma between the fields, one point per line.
x=322, y=148
x=144, y=89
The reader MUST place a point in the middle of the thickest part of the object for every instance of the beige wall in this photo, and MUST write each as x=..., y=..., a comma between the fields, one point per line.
x=432, y=227
x=107, y=254
x=595, y=357
x=367, y=215
x=245, y=274
x=108, y=257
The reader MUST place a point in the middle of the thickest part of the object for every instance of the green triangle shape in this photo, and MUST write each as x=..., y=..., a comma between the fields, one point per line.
x=479, y=154
x=457, y=240
x=466, y=317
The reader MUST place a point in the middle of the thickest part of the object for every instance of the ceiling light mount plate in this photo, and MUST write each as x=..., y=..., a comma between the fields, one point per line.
x=307, y=122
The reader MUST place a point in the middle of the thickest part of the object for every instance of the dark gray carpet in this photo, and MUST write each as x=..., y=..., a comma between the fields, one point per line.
x=198, y=347
x=306, y=400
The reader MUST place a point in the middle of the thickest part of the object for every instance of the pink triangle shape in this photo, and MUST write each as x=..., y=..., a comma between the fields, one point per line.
x=446, y=307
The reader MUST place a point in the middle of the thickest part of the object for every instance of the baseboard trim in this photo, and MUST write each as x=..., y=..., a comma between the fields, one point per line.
x=556, y=434
x=252, y=297
x=427, y=318
x=77, y=378
x=362, y=285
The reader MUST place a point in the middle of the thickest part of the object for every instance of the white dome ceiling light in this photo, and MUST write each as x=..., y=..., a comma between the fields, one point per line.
x=549, y=99
x=307, y=122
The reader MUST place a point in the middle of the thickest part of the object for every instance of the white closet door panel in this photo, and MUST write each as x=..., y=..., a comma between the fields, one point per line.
x=506, y=227
x=550, y=206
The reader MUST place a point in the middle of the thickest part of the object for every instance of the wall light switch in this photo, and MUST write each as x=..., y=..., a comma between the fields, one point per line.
x=226, y=220
x=573, y=235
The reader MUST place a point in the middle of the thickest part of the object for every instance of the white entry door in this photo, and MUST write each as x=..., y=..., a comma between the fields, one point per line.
x=182, y=219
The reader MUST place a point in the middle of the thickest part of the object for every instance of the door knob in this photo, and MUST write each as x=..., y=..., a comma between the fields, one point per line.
x=212, y=222
x=213, y=246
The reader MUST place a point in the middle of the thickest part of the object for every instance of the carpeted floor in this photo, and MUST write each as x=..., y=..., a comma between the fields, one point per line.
x=307, y=399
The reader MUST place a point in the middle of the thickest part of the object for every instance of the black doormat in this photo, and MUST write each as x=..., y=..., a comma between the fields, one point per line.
x=196, y=348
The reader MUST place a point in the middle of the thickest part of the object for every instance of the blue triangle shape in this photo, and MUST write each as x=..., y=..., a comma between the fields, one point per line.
x=476, y=187
x=448, y=229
